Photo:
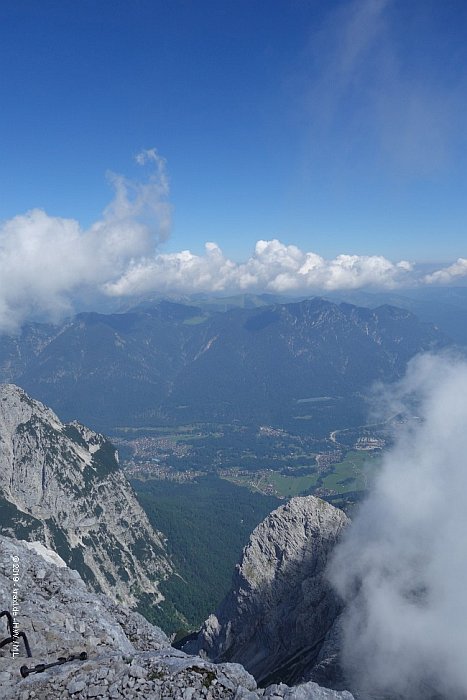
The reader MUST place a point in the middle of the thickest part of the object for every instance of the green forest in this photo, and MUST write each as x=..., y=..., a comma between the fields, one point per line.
x=207, y=524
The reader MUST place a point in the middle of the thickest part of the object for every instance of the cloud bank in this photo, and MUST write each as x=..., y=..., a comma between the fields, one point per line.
x=48, y=264
x=273, y=267
x=403, y=565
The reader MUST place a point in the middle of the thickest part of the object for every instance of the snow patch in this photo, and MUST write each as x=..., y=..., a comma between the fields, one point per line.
x=49, y=555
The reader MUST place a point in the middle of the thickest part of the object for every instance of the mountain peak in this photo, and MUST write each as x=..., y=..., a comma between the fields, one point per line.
x=61, y=484
x=280, y=607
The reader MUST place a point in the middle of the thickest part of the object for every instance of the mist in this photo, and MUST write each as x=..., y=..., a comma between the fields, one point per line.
x=402, y=567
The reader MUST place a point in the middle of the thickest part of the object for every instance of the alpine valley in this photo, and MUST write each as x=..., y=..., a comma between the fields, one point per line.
x=175, y=364
x=229, y=425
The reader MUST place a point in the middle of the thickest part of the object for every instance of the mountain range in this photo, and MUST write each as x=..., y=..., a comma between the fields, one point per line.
x=168, y=363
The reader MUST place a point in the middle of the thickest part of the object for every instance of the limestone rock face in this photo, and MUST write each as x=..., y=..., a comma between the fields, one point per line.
x=61, y=484
x=280, y=609
x=127, y=656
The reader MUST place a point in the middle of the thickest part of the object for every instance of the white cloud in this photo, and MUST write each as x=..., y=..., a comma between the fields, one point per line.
x=403, y=565
x=44, y=260
x=273, y=266
x=47, y=262
x=448, y=274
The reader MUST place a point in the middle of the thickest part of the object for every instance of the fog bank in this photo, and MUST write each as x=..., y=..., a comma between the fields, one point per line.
x=402, y=567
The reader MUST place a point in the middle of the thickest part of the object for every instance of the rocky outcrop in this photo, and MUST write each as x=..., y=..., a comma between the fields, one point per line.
x=278, y=620
x=127, y=657
x=61, y=484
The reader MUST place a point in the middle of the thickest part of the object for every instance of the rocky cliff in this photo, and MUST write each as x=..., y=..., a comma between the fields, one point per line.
x=127, y=657
x=281, y=618
x=61, y=484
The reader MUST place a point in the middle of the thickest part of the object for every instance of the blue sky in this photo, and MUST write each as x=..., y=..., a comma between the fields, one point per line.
x=338, y=127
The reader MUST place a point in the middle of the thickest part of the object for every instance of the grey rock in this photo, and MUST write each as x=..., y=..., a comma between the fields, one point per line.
x=114, y=691
x=65, y=488
x=115, y=668
x=312, y=691
x=137, y=672
x=280, y=608
x=327, y=669
x=275, y=690
x=75, y=686
x=244, y=694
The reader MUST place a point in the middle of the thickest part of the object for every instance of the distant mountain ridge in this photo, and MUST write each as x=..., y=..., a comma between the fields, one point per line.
x=175, y=363
x=446, y=307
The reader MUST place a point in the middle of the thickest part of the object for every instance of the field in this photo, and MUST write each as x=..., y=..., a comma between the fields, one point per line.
x=274, y=483
x=350, y=475
x=353, y=473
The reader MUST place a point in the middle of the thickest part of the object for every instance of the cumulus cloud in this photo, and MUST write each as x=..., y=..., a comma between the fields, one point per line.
x=48, y=263
x=448, y=274
x=273, y=266
x=45, y=260
x=403, y=565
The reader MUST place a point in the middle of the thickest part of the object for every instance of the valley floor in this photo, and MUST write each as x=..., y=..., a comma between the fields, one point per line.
x=208, y=486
